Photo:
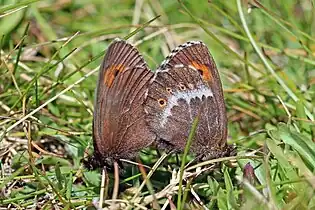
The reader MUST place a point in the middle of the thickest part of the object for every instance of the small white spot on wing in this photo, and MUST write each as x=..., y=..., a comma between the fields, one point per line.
x=192, y=67
x=179, y=66
x=163, y=70
x=190, y=86
x=146, y=93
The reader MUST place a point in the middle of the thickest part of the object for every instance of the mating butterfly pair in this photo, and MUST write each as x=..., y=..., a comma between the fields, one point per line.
x=135, y=107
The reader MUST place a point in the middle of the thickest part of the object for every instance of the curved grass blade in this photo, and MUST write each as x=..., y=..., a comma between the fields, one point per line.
x=187, y=147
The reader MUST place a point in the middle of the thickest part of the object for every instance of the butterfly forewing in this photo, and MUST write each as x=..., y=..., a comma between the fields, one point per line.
x=119, y=127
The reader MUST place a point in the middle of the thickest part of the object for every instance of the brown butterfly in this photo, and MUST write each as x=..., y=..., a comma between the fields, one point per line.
x=133, y=105
x=119, y=126
x=187, y=83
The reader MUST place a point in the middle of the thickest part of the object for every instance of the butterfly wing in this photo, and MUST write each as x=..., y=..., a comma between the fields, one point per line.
x=197, y=55
x=189, y=82
x=119, y=128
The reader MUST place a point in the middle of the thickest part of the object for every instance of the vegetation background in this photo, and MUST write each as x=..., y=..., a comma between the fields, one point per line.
x=50, y=53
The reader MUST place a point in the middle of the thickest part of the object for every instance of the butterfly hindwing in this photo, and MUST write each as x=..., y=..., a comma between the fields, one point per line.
x=188, y=83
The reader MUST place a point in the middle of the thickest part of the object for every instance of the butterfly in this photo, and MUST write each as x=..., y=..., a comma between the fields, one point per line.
x=135, y=107
x=119, y=125
x=187, y=83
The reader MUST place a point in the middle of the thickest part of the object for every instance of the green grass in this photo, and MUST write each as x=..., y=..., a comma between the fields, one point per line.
x=50, y=53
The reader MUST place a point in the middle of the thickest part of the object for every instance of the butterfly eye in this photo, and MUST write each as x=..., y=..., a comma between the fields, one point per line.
x=162, y=102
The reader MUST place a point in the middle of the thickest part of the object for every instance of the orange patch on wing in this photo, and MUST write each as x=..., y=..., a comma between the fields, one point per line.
x=111, y=72
x=206, y=74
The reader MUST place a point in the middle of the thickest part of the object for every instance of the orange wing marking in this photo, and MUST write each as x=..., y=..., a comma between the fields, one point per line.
x=111, y=72
x=204, y=71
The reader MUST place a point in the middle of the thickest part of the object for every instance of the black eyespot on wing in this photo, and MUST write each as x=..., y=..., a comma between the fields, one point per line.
x=169, y=90
x=162, y=102
x=182, y=87
x=116, y=72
